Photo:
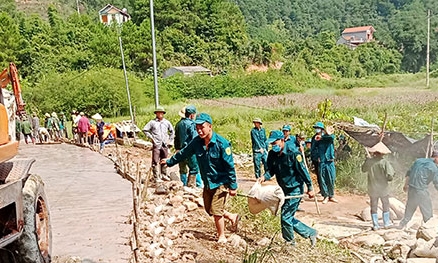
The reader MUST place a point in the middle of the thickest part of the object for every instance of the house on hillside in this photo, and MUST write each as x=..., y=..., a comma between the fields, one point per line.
x=187, y=71
x=354, y=36
x=110, y=14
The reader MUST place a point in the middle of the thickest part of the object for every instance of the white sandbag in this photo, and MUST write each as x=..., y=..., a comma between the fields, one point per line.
x=267, y=196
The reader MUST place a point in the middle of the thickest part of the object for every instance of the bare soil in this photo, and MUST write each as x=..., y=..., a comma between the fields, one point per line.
x=198, y=238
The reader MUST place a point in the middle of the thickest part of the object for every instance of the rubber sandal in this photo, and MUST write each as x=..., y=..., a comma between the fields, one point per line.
x=222, y=240
x=333, y=200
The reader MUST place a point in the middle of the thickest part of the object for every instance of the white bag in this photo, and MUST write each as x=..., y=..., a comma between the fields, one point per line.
x=262, y=197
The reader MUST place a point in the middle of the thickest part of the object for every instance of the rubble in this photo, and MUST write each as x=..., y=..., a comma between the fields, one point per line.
x=164, y=220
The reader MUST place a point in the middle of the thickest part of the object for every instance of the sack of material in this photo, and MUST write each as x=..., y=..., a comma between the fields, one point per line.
x=265, y=197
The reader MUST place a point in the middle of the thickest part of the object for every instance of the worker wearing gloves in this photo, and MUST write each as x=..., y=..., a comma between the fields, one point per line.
x=286, y=163
x=215, y=160
x=259, y=146
x=323, y=145
x=420, y=175
x=380, y=172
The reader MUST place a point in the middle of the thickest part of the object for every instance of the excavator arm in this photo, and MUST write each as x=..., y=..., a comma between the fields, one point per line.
x=12, y=77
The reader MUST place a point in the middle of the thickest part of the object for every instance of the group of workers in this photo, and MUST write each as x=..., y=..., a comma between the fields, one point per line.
x=54, y=127
x=287, y=161
x=205, y=160
x=380, y=172
x=85, y=130
x=320, y=148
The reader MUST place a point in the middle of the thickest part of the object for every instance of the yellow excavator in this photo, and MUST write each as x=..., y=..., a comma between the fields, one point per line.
x=25, y=230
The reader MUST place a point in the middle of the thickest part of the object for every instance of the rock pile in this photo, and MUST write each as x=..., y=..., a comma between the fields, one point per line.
x=416, y=244
x=166, y=214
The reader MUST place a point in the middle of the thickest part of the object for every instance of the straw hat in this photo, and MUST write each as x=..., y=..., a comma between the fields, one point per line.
x=96, y=116
x=182, y=112
x=379, y=148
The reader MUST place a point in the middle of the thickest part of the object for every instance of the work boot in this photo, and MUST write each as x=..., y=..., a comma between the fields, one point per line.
x=164, y=173
x=191, y=180
x=183, y=178
x=155, y=173
x=375, y=219
x=386, y=220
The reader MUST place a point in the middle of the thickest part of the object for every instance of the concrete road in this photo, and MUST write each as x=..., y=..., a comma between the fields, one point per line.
x=89, y=202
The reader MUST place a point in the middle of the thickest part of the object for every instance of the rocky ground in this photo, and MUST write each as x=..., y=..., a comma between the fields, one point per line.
x=175, y=228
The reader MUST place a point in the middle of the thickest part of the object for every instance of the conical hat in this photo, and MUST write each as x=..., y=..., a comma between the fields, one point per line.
x=380, y=148
x=96, y=116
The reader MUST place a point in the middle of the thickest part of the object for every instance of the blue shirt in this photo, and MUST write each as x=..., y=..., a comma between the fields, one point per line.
x=292, y=141
x=422, y=172
x=289, y=168
x=215, y=162
x=185, y=131
x=324, y=149
x=258, y=139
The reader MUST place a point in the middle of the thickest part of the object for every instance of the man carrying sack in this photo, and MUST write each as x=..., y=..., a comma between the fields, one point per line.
x=287, y=164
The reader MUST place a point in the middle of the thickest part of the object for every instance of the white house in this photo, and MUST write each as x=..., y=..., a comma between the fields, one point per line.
x=355, y=36
x=110, y=14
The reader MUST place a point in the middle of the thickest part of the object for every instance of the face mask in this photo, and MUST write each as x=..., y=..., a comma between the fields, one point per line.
x=317, y=130
x=276, y=148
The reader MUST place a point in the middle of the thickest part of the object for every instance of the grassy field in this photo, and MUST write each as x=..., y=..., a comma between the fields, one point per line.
x=409, y=105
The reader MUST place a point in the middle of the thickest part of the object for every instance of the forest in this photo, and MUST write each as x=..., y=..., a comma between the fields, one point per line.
x=59, y=49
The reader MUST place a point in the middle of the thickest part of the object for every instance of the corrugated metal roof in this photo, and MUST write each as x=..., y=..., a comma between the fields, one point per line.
x=358, y=29
x=192, y=69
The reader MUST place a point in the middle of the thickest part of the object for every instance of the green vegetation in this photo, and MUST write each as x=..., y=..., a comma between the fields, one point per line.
x=399, y=24
x=69, y=61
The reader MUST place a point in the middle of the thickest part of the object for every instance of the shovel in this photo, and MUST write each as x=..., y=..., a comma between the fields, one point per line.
x=314, y=197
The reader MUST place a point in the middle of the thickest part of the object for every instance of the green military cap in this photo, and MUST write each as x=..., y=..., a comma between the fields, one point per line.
x=286, y=127
x=190, y=109
x=203, y=117
x=275, y=135
x=319, y=125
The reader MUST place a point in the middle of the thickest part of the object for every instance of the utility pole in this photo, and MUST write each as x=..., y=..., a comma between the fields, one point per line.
x=154, y=53
x=77, y=6
x=126, y=78
x=428, y=50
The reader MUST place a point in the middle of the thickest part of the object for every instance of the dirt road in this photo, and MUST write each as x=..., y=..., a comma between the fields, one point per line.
x=89, y=202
